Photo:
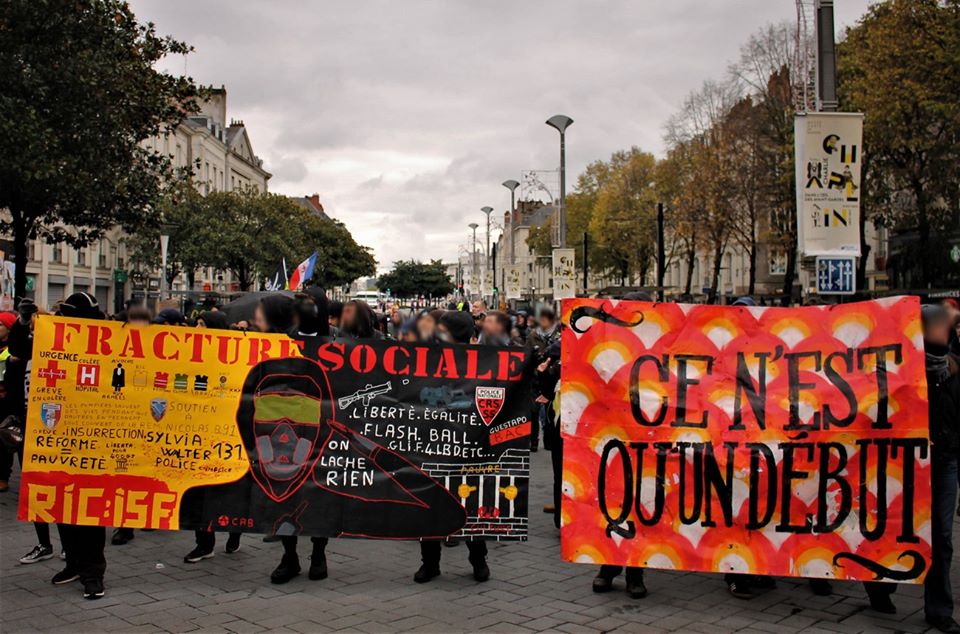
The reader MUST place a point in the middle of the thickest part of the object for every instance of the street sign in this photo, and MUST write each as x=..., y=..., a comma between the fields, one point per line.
x=836, y=276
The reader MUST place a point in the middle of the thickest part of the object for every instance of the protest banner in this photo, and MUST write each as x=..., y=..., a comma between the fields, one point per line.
x=771, y=441
x=173, y=428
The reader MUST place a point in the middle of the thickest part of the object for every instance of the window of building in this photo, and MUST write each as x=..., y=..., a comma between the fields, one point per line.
x=81, y=257
x=56, y=253
x=778, y=262
x=102, y=255
x=32, y=250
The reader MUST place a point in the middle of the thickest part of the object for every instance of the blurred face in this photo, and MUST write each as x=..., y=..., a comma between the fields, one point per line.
x=138, y=321
x=426, y=327
x=477, y=308
x=531, y=321
x=201, y=323
x=546, y=323
x=4, y=331
x=938, y=332
x=260, y=320
x=492, y=327
x=349, y=316
x=409, y=336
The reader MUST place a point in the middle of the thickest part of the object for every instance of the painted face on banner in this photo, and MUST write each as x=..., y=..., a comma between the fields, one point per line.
x=282, y=419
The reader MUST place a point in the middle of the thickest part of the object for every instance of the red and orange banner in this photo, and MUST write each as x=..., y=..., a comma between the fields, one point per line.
x=738, y=439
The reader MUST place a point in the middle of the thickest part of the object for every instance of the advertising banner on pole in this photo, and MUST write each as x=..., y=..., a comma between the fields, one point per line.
x=768, y=441
x=564, y=273
x=180, y=428
x=513, y=282
x=829, y=156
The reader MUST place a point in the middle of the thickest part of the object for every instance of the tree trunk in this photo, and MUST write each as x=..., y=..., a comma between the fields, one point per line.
x=791, y=271
x=752, y=283
x=923, y=235
x=715, y=281
x=691, y=261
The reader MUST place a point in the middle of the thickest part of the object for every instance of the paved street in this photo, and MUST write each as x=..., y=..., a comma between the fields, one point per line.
x=370, y=589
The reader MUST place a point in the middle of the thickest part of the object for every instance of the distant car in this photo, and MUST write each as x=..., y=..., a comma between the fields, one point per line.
x=372, y=298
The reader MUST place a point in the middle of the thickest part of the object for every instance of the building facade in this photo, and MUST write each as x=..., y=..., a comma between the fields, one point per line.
x=222, y=159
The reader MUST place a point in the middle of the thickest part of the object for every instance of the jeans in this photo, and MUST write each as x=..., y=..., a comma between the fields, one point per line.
x=83, y=546
x=937, y=593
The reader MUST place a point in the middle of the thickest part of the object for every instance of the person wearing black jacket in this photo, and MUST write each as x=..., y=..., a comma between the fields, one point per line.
x=943, y=394
x=83, y=545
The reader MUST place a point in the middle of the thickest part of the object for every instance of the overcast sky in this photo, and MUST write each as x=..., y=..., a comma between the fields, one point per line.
x=405, y=116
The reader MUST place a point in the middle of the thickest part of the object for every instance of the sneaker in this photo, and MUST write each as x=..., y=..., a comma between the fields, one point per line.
x=602, y=584
x=197, y=554
x=451, y=542
x=426, y=573
x=64, y=576
x=39, y=553
x=93, y=589
x=549, y=508
x=121, y=536
x=740, y=588
x=269, y=539
x=882, y=603
x=944, y=624
x=288, y=569
x=233, y=544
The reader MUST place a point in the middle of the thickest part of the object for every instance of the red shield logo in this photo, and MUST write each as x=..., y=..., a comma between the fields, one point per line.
x=490, y=402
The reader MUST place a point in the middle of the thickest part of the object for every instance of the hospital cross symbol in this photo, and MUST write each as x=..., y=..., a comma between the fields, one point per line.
x=52, y=373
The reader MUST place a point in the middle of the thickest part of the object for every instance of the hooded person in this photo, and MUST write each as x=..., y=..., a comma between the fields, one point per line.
x=83, y=545
x=274, y=313
x=287, y=424
x=454, y=327
x=206, y=540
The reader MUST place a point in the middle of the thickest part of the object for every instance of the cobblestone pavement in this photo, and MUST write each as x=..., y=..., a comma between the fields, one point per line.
x=371, y=589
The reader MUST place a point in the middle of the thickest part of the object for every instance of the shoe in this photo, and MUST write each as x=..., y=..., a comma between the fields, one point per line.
x=821, y=587
x=425, y=574
x=4, y=486
x=740, y=589
x=883, y=604
x=602, y=584
x=481, y=571
x=549, y=508
x=288, y=569
x=233, y=544
x=450, y=542
x=93, y=589
x=39, y=553
x=64, y=576
x=121, y=536
x=764, y=582
x=197, y=554
x=269, y=539
x=318, y=568
x=944, y=624
x=636, y=589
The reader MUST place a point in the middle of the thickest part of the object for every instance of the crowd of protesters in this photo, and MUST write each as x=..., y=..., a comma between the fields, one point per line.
x=310, y=314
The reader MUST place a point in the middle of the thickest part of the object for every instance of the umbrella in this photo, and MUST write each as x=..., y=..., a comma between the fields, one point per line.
x=241, y=309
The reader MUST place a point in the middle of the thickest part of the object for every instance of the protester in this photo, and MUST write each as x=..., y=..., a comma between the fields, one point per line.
x=358, y=321
x=7, y=320
x=311, y=319
x=454, y=327
x=335, y=310
x=540, y=339
x=274, y=313
x=495, y=330
x=206, y=540
x=139, y=315
x=83, y=545
x=427, y=325
x=167, y=317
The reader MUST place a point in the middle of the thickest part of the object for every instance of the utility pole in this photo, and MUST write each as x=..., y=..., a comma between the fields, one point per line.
x=512, y=186
x=486, y=253
x=661, y=252
x=473, y=252
x=585, y=266
x=560, y=123
x=826, y=58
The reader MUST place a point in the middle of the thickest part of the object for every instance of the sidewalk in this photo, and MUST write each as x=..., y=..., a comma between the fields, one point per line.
x=371, y=590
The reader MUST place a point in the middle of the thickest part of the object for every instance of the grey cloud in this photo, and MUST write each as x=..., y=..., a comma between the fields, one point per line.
x=408, y=116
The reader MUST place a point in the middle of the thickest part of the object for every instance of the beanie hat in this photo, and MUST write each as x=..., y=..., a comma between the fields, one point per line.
x=7, y=319
x=746, y=300
x=82, y=305
x=459, y=324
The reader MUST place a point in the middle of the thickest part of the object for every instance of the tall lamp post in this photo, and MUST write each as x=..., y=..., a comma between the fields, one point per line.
x=473, y=251
x=560, y=123
x=512, y=186
x=486, y=253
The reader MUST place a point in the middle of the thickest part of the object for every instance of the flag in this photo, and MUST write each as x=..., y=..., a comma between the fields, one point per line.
x=277, y=281
x=302, y=273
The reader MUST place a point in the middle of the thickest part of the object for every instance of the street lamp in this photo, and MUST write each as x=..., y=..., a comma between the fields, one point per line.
x=473, y=250
x=512, y=186
x=486, y=254
x=560, y=123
